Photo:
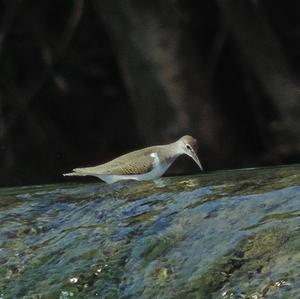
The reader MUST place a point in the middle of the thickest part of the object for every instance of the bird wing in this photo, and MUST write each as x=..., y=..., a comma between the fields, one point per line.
x=134, y=163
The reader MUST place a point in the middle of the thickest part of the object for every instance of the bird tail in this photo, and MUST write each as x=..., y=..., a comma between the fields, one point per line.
x=76, y=172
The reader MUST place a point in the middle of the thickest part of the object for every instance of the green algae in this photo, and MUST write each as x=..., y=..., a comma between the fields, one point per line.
x=146, y=217
x=228, y=234
x=280, y=216
x=153, y=248
x=233, y=273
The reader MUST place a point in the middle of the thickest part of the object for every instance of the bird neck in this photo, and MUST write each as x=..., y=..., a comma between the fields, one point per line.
x=171, y=152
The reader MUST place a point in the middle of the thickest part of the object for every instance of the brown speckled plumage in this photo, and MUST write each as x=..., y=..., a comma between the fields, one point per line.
x=128, y=164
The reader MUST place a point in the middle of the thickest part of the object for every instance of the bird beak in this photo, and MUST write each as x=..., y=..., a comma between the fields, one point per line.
x=196, y=159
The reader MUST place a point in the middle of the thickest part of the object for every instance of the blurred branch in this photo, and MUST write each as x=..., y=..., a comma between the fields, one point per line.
x=263, y=55
x=2, y=123
x=8, y=21
x=261, y=50
x=162, y=67
x=50, y=60
x=216, y=51
x=71, y=27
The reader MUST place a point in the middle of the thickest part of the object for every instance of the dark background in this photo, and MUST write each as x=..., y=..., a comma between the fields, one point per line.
x=84, y=81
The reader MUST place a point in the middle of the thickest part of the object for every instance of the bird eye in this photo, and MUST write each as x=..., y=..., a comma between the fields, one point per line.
x=188, y=147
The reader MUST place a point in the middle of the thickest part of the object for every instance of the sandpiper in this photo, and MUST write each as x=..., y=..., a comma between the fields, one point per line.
x=145, y=164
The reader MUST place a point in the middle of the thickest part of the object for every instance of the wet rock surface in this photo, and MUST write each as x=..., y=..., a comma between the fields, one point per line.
x=228, y=234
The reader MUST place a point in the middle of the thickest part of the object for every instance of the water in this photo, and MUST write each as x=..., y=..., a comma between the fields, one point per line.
x=230, y=234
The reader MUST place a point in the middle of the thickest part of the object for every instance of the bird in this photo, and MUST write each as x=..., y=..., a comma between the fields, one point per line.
x=149, y=163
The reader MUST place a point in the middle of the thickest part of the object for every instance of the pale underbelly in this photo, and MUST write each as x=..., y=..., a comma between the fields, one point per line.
x=155, y=173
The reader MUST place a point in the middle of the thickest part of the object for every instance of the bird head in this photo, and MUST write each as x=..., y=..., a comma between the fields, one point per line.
x=189, y=146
